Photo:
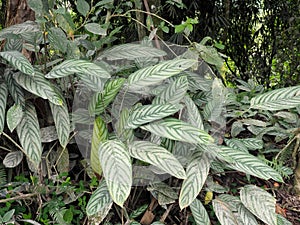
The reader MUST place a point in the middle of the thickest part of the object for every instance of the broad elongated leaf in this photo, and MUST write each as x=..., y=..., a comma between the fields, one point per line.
x=19, y=61
x=3, y=99
x=72, y=66
x=95, y=28
x=14, y=116
x=283, y=98
x=245, y=143
x=28, y=132
x=149, y=113
x=39, y=86
x=199, y=213
x=154, y=74
x=196, y=173
x=282, y=221
x=102, y=99
x=117, y=170
x=130, y=52
x=250, y=164
x=260, y=203
x=13, y=44
x=83, y=7
x=14, y=88
x=62, y=160
x=157, y=156
x=194, y=116
x=174, y=92
x=246, y=216
x=13, y=159
x=175, y=129
x=95, y=83
x=100, y=134
x=28, y=26
x=100, y=202
x=62, y=122
x=58, y=39
x=224, y=213
x=123, y=133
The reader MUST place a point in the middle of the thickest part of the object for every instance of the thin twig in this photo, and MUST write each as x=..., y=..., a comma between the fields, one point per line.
x=23, y=196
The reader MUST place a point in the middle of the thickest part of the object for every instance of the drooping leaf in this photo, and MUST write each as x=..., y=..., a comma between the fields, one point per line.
x=58, y=39
x=95, y=28
x=83, y=7
x=236, y=128
x=14, y=116
x=101, y=100
x=36, y=6
x=247, y=143
x=175, y=129
x=136, y=213
x=149, y=113
x=3, y=99
x=100, y=134
x=62, y=160
x=48, y=134
x=13, y=159
x=28, y=132
x=39, y=86
x=260, y=203
x=71, y=66
x=196, y=173
x=95, y=83
x=123, y=133
x=117, y=170
x=157, y=156
x=224, y=213
x=28, y=26
x=154, y=74
x=131, y=52
x=14, y=88
x=250, y=164
x=246, y=216
x=19, y=61
x=13, y=44
x=199, y=213
x=283, y=98
x=194, y=116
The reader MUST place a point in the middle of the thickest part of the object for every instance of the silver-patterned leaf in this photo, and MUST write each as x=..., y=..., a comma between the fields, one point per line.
x=157, y=156
x=194, y=116
x=282, y=221
x=14, y=88
x=224, y=213
x=95, y=83
x=117, y=169
x=13, y=159
x=48, y=134
x=260, y=203
x=236, y=128
x=126, y=135
x=19, y=61
x=14, y=116
x=95, y=28
x=246, y=216
x=62, y=160
x=13, y=44
x=199, y=213
x=28, y=26
x=58, y=39
x=178, y=130
x=3, y=99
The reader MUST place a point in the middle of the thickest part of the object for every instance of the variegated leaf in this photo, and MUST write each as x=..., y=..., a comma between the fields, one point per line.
x=3, y=99
x=28, y=26
x=154, y=74
x=14, y=116
x=246, y=216
x=28, y=132
x=62, y=122
x=178, y=130
x=224, y=213
x=174, y=93
x=95, y=83
x=282, y=221
x=14, y=88
x=100, y=134
x=196, y=173
x=58, y=39
x=39, y=86
x=13, y=44
x=13, y=159
x=157, y=156
x=101, y=100
x=71, y=66
x=99, y=203
x=125, y=135
x=199, y=213
x=245, y=143
x=149, y=113
x=194, y=116
x=283, y=98
x=19, y=61
x=131, y=52
x=260, y=203
x=62, y=160
x=250, y=164
x=117, y=169
x=236, y=128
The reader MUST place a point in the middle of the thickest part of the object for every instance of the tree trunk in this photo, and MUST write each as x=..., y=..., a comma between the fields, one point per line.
x=18, y=11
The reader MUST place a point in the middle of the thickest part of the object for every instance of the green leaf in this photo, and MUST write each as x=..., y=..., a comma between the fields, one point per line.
x=100, y=134
x=28, y=132
x=14, y=88
x=83, y=7
x=101, y=100
x=194, y=116
x=22, y=28
x=154, y=74
x=282, y=221
x=13, y=159
x=62, y=160
x=236, y=128
x=71, y=66
x=199, y=213
x=157, y=156
x=131, y=52
x=95, y=83
x=3, y=99
x=248, y=143
x=260, y=203
x=250, y=164
x=283, y=98
x=13, y=44
x=100, y=202
x=174, y=93
x=125, y=135
x=62, y=122
x=36, y=6
x=58, y=39
x=117, y=170
x=14, y=116
x=246, y=216
x=136, y=213
x=19, y=61
x=95, y=28
x=149, y=113
x=178, y=130
x=39, y=86
x=196, y=173
x=223, y=213
x=210, y=55
x=8, y=216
